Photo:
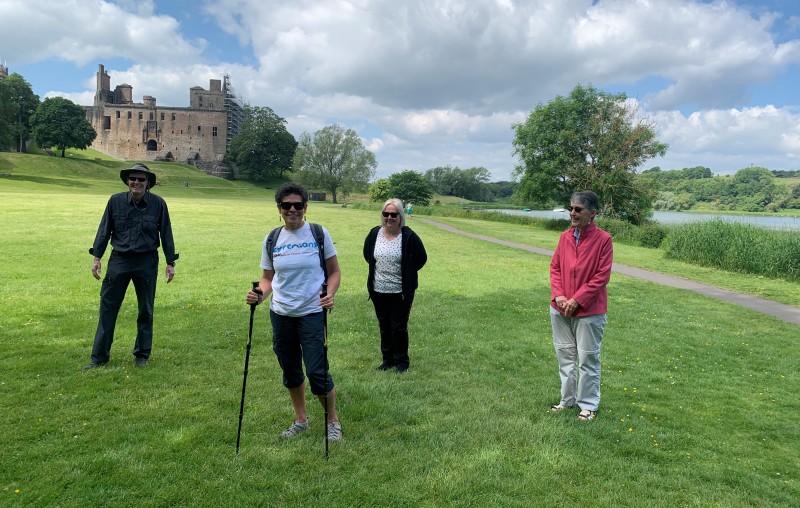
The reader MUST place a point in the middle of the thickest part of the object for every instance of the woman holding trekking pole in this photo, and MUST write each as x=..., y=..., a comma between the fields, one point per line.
x=296, y=261
x=394, y=254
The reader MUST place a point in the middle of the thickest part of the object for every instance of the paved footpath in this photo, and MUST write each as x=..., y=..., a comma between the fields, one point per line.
x=782, y=311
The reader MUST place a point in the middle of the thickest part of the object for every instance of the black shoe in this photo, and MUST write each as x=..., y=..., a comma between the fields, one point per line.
x=93, y=365
x=401, y=369
x=384, y=366
x=141, y=361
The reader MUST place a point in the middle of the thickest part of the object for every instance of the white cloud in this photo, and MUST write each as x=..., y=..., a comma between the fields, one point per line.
x=434, y=82
x=81, y=31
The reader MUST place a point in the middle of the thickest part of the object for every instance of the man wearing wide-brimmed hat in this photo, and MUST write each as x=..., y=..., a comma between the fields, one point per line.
x=136, y=222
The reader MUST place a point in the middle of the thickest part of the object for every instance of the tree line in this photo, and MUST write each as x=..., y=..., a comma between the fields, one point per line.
x=55, y=122
x=751, y=189
x=587, y=140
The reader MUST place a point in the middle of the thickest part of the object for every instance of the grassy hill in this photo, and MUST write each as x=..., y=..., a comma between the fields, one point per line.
x=78, y=174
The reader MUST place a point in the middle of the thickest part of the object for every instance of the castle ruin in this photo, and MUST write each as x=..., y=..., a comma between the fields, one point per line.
x=198, y=134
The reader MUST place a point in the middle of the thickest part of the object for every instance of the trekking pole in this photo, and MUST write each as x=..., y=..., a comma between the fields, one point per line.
x=325, y=360
x=246, y=364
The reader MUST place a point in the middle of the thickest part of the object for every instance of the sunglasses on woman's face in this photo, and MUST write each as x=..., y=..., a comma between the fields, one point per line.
x=576, y=209
x=393, y=215
x=287, y=205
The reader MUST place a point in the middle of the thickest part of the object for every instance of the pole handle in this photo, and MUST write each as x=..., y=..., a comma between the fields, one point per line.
x=257, y=291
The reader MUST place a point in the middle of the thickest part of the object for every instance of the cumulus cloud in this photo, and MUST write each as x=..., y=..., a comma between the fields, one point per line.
x=81, y=31
x=434, y=82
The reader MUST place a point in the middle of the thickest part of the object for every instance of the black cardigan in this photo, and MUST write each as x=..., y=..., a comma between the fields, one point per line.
x=412, y=258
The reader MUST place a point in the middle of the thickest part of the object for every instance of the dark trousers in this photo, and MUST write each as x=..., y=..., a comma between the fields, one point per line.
x=392, y=311
x=142, y=269
x=298, y=340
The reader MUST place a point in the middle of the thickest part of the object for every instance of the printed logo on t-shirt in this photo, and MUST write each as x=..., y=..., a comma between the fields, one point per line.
x=293, y=249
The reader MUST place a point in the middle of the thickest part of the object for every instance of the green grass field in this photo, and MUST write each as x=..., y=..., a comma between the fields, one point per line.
x=699, y=400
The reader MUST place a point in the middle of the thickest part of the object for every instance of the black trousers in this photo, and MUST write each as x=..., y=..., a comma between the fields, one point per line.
x=392, y=311
x=142, y=269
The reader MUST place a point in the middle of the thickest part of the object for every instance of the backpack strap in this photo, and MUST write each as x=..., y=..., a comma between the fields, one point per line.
x=272, y=237
x=319, y=237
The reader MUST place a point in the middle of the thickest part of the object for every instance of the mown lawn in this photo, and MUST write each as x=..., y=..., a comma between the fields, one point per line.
x=699, y=397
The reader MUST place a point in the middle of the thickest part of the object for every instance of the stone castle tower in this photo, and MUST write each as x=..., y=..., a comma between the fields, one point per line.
x=198, y=134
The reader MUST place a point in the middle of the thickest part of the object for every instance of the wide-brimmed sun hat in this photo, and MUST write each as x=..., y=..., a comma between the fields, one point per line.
x=151, y=177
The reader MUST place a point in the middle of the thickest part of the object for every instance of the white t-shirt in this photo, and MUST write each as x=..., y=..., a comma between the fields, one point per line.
x=298, y=275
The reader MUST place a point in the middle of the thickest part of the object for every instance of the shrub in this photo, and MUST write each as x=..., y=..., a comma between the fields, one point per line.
x=737, y=247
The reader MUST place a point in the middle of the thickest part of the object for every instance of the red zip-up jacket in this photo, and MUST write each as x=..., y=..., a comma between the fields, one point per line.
x=582, y=272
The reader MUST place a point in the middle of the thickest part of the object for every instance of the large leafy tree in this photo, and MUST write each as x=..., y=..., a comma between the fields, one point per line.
x=61, y=123
x=380, y=190
x=334, y=159
x=263, y=148
x=6, y=136
x=465, y=183
x=588, y=140
x=411, y=186
x=17, y=105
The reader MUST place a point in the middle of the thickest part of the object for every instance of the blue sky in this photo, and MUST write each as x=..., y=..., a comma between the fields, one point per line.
x=429, y=83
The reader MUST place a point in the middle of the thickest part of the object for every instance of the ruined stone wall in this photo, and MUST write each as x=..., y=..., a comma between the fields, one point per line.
x=136, y=132
x=145, y=131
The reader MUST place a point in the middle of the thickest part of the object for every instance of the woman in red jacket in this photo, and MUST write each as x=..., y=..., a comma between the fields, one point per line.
x=579, y=274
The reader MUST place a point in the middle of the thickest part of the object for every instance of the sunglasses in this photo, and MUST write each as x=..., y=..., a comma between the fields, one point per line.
x=576, y=209
x=137, y=178
x=287, y=205
x=393, y=215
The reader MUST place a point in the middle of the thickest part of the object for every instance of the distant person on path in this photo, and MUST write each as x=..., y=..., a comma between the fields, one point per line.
x=394, y=254
x=409, y=209
x=293, y=274
x=136, y=222
x=579, y=274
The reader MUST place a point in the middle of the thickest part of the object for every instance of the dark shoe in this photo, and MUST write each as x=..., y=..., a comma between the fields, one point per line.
x=402, y=370
x=93, y=365
x=384, y=366
x=141, y=361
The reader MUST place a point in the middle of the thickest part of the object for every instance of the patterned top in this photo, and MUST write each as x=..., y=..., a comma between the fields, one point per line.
x=388, y=274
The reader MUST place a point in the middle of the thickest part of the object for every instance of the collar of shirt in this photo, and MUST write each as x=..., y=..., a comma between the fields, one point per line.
x=134, y=203
x=577, y=235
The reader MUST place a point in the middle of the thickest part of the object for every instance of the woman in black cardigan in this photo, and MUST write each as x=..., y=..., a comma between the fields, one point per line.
x=394, y=254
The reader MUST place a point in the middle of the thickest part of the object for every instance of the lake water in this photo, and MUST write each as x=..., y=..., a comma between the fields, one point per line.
x=766, y=221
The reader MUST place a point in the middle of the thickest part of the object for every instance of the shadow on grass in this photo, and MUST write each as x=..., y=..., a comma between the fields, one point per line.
x=45, y=180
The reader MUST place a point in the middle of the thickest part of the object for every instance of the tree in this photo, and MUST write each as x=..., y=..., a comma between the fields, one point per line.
x=589, y=140
x=18, y=103
x=411, y=186
x=465, y=183
x=334, y=159
x=380, y=190
x=61, y=123
x=6, y=116
x=263, y=148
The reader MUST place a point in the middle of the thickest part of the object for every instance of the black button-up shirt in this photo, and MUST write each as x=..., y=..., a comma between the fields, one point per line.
x=135, y=229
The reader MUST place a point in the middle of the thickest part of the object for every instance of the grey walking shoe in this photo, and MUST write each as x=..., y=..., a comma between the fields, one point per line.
x=334, y=432
x=295, y=429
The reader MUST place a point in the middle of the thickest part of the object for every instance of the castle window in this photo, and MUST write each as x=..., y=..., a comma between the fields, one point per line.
x=117, y=114
x=162, y=117
x=198, y=128
x=173, y=117
x=141, y=115
x=152, y=116
x=129, y=115
x=214, y=131
x=106, y=122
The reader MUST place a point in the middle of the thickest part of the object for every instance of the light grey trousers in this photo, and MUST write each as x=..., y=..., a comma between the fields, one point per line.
x=577, y=342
